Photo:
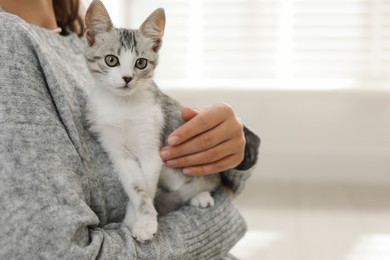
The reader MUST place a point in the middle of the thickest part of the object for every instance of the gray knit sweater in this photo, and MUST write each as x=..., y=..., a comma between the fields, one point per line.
x=59, y=196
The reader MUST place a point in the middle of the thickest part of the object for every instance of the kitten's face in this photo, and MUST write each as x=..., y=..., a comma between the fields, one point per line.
x=122, y=60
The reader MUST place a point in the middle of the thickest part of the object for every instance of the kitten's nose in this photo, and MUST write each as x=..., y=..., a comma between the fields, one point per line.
x=127, y=79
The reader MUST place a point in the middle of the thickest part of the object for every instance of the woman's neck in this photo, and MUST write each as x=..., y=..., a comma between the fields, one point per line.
x=38, y=12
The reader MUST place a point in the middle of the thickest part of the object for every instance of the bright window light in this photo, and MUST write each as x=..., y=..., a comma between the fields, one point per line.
x=371, y=247
x=254, y=242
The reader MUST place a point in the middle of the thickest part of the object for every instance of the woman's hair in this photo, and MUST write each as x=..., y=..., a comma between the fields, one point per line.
x=68, y=17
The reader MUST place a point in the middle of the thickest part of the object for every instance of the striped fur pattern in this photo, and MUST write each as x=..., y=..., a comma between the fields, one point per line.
x=132, y=118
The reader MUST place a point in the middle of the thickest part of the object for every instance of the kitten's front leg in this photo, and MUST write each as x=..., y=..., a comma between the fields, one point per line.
x=141, y=216
x=144, y=226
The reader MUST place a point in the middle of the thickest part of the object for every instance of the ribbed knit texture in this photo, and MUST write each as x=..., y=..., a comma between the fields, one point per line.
x=59, y=196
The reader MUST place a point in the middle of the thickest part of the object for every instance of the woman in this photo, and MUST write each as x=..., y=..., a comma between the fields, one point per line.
x=59, y=197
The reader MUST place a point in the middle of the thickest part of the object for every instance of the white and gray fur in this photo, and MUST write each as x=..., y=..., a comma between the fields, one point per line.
x=133, y=118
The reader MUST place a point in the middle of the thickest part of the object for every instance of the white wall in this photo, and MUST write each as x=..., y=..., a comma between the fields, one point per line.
x=317, y=135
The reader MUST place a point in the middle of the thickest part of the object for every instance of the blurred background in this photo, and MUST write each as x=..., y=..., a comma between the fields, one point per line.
x=312, y=78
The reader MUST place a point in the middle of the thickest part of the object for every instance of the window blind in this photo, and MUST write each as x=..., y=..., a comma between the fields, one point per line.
x=271, y=42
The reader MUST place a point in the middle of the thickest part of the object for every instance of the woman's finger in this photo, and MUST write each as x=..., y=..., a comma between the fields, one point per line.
x=188, y=113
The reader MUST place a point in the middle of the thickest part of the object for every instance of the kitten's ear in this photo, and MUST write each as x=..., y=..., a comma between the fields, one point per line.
x=154, y=26
x=97, y=20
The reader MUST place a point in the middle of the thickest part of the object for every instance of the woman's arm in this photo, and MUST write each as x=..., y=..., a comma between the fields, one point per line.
x=45, y=215
x=190, y=233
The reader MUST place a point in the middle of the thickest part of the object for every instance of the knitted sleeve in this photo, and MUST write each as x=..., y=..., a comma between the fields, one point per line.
x=235, y=178
x=45, y=192
x=190, y=233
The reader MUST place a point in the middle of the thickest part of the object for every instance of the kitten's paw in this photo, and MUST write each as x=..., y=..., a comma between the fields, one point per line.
x=202, y=200
x=145, y=229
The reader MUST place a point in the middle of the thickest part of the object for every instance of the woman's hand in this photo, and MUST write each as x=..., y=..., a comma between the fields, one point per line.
x=211, y=141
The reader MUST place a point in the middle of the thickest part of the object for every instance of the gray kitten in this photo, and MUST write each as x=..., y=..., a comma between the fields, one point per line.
x=133, y=118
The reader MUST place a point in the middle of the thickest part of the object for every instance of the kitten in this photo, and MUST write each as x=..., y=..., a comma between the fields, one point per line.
x=133, y=118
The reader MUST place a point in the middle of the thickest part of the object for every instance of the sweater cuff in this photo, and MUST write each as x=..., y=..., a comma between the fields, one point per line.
x=235, y=178
x=210, y=233
x=252, y=146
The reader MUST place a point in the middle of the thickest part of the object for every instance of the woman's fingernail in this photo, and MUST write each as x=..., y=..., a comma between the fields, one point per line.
x=165, y=154
x=173, y=140
x=171, y=163
x=187, y=171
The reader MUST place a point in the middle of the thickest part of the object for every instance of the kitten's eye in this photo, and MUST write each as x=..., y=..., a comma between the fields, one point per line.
x=111, y=60
x=141, y=63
